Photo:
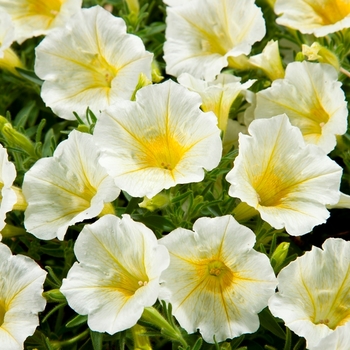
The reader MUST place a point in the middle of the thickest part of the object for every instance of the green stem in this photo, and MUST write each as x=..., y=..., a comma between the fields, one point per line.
x=59, y=344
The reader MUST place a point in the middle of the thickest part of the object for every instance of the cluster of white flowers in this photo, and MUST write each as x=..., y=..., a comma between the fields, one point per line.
x=151, y=138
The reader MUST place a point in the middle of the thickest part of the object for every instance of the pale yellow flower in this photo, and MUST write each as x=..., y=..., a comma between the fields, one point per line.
x=21, y=287
x=117, y=275
x=311, y=96
x=202, y=35
x=67, y=188
x=158, y=141
x=288, y=182
x=218, y=95
x=318, y=17
x=92, y=62
x=269, y=61
x=216, y=282
x=313, y=295
x=38, y=17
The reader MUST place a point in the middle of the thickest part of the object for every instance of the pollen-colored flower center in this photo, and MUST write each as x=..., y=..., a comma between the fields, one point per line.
x=2, y=312
x=313, y=122
x=103, y=72
x=45, y=8
x=330, y=11
x=162, y=151
x=218, y=276
x=271, y=188
x=337, y=315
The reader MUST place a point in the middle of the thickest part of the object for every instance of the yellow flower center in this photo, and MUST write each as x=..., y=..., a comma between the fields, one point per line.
x=314, y=121
x=103, y=72
x=162, y=151
x=2, y=312
x=271, y=188
x=218, y=276
x=330, y=11
x=44, y=8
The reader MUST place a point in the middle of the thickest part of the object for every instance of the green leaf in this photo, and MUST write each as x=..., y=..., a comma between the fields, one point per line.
x=30, y=75
x=288, y=344
x=269, y=322
x=96, y=339
x=236, y=342
x=76, y=321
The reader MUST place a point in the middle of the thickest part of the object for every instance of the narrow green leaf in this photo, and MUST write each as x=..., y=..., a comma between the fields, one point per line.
x=30, y=75
x=269, y=322
x=288, y=344
x=97, y=339
x=76, y=321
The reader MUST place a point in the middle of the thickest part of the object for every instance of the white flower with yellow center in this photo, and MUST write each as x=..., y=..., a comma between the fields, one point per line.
x=8, y=196
x=311, y=96
x=161, y=140
x=202, y=35
x=288, y=182
x=269, y=61
x=38, y=17
x=218, y=95
x=117, y=276
x=318, y=17
x=67, y=188
x=92, y=62
x=216, y=282
x=21, y=287
x=313, y=295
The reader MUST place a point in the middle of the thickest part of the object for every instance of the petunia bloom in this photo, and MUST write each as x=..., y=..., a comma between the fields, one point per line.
x=218, y=95
x=216, y=282
x=319, y=17
x=202, y=35
x=34, y=18
x=117, y=275
x=269, y=61
x=160, y=140
x=21, y=299
x=92, y=62
x=67, y=188
x=313, y=295
x=311, y=96
x=8, y=197
x=288, y=182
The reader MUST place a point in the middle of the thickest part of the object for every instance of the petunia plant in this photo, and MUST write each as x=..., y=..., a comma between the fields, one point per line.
x=174, y=174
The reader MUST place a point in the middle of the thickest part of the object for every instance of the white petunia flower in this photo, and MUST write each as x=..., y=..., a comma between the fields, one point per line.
x=269, y=61
x=67, y=188
x=161, y=140
x=288, y=182
x=21, y=287
x=216, y=282
x=311, y=96
x=313, y=295
x=218, y=95
x=202, y=35
x=318, y=17
x=91, y=63
x=117, y=276
x=34, y=18
x=8, y=197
